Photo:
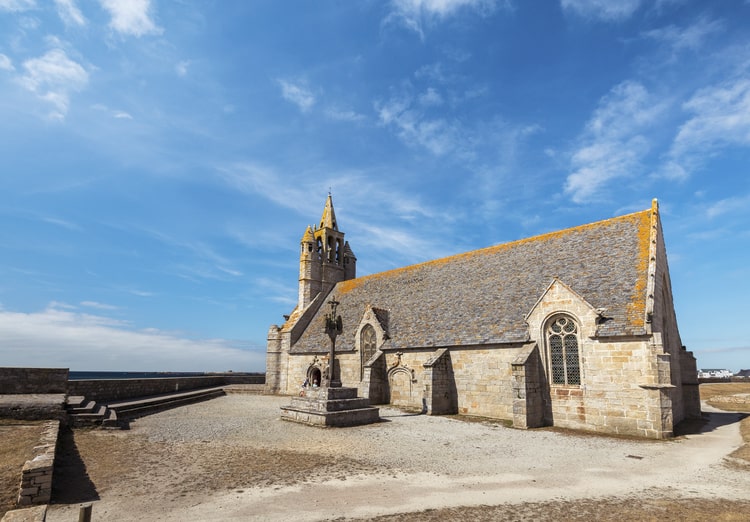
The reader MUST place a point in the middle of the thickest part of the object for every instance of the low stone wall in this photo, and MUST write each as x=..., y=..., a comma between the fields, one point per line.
x=248, y=378
x=102, y=390
x=33, y=380
x=36, y=479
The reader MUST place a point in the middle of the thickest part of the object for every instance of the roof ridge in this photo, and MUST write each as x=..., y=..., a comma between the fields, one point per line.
x=351, y=283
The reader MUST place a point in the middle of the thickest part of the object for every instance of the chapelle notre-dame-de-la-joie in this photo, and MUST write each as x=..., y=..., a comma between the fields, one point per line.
x=574, y=328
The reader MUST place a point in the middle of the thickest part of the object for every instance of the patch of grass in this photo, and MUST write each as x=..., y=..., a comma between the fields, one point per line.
x=19, y=439
x=727, y=396
x=742, y=453
x=732, y=396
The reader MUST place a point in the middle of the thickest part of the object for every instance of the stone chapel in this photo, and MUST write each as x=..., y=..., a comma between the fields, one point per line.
x=574, y=328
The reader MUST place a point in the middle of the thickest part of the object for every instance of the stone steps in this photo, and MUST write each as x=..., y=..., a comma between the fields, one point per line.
x=132, y=408
x=115, y=414
x=330, y=407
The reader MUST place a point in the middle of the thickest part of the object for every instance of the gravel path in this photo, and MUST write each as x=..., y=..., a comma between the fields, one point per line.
x=233, y=458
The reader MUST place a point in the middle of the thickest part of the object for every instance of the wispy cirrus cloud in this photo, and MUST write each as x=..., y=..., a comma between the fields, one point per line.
x=614, y=140
x=15, y=6
x=115, y=113
x=604, y=10
x=61, y=337
x=53, y=77
x=132, y=17
x=5, y=63
x=182, y=68
x=692, y=37
x=361, y=196
x=297, y=93
x=202, y=261
x=69, y=13
x=99, y=306
x=720, y=118
x=341, y=114
x=728, y=206
x=414, y=14
x=413, y=126
x=61, y=223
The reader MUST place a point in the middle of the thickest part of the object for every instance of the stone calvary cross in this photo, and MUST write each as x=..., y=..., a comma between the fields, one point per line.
x=334, y=326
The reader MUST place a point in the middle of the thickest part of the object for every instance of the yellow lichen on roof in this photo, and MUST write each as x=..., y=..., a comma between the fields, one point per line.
x=637, y=305
x=642, y=219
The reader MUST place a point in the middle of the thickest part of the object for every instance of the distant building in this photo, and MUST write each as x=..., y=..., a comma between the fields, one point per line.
x=714, y=374
x=574, y=328
x=745, y=374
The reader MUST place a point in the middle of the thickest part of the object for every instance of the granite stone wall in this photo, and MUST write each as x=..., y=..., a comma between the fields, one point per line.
x=101, y=390
x=33, y=380
x=36, y=479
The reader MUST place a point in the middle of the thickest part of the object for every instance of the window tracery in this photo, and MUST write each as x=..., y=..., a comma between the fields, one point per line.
x=563, y=351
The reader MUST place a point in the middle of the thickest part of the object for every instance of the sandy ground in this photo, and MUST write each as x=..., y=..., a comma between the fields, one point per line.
x=232, y=458
x=18, y=441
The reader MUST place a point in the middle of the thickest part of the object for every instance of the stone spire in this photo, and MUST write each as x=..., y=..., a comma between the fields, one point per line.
x=308, y=237
x=328, y=219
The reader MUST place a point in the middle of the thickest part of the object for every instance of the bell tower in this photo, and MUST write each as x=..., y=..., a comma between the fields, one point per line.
x=325, y=258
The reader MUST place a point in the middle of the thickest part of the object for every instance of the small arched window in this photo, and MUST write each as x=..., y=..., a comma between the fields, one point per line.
x=562, y=346
x=367, y=345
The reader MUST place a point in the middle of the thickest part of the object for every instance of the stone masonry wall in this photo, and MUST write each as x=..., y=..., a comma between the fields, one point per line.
x=529, y=389
x=484, y=381
x=118, y=389
x=440, y=384
x=33, y=380
x=36, y=479
x=481, y=380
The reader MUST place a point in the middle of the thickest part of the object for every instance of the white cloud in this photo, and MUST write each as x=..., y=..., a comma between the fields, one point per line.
x=17, y=5
x=69, y=13
x=613, y=144
x=606, y=10
x=297, y=94
x=688, y=38
x=338, y=114
x=720, y=118
x=62, y=338
x=182, y=68
x=416, y=128
x=728, y=206
x=131, y=17
x=52, y=78
x=413, y=14
x=256, y=179
x=61, y=223
x=98, y=306
x=117, y=114
x=6, y=64
x=430, y=97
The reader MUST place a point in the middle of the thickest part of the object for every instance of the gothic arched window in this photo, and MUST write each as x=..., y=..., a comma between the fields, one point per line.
x=367, y=345
x=562, y=346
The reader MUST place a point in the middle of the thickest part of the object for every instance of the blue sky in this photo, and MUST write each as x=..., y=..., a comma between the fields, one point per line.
x=160, y=160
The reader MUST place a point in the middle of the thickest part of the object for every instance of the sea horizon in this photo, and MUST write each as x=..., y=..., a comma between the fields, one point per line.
x=75, y=375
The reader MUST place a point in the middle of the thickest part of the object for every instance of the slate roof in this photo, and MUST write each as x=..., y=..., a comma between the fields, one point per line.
x=482, y=297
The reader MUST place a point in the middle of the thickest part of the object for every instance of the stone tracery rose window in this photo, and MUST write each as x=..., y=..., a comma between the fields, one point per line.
x=562, y=344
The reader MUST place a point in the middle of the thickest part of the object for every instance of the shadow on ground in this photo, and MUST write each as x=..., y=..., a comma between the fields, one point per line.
x=708, y=422
x=70, y=481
